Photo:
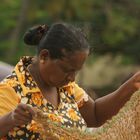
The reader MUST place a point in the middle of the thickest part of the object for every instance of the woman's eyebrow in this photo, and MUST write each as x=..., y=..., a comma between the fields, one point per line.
x=67, y=68
x=73, y=69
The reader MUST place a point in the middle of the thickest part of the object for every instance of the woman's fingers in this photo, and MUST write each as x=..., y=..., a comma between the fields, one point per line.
x=27, y=109
x=137, y=80
x=137, y=85
x=22, y=120
x=23, y=114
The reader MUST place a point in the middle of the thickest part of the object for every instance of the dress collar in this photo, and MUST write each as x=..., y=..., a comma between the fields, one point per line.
x=27, y=82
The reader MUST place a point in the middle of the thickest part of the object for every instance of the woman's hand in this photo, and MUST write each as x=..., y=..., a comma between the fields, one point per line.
x=133, y=84
x=23, y=114
x=136, y=79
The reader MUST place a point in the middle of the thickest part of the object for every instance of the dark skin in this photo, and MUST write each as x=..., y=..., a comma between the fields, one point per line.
x=59, y=73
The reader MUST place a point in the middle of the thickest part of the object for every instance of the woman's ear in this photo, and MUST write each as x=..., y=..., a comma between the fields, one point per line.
x=44, y=55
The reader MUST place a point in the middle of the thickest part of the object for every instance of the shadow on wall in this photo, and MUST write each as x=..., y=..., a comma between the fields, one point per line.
x=5, y=70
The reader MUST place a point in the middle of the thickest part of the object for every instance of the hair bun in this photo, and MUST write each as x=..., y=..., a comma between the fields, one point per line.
x=35, y=34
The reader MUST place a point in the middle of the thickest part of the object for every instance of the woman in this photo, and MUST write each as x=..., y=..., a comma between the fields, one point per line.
x=47, y=82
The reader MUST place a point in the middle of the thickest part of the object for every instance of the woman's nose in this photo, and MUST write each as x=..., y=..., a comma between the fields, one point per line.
x=71, y=77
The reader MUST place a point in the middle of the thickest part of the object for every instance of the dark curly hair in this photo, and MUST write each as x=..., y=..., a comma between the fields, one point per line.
x=58, y=37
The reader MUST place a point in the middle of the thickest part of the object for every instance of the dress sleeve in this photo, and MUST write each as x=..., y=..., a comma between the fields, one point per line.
x=8, y=99
x=80, y=95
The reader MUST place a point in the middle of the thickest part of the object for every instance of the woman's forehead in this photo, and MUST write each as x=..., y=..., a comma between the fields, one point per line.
x=75, y=60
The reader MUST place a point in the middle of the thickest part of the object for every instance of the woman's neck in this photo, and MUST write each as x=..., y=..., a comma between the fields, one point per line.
x=34, y=71
x=50, y=93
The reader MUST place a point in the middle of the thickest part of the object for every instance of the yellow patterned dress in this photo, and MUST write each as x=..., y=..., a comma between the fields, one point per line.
x=20, y=87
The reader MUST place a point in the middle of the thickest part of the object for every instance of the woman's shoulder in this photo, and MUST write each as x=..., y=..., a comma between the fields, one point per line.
x=8, y=98
x=7, y=91
x=77, y=92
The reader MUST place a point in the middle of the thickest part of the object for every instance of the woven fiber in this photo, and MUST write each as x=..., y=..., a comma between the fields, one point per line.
x=123, y=126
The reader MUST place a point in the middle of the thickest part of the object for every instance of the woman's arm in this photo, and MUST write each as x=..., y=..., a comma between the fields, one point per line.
x=21, y=115
x=97, y=112
x=6, y=124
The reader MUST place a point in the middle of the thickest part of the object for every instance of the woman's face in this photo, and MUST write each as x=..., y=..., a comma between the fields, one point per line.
x=59, y=72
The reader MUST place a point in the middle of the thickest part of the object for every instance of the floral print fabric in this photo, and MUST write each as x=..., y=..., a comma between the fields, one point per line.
x=71, y=97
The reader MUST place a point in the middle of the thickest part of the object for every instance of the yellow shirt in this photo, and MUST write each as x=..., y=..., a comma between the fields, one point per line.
x=20, y=87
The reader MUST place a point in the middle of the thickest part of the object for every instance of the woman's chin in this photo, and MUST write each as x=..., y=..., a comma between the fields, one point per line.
x=62, y=84
x=59, y=84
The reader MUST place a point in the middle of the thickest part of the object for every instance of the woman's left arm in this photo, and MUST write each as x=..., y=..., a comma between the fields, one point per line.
x=97, y=112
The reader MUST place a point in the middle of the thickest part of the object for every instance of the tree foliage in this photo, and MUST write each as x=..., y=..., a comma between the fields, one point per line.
x=111, y=26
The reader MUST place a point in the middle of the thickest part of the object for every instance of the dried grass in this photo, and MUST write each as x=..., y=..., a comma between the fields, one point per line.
x=124, y=126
